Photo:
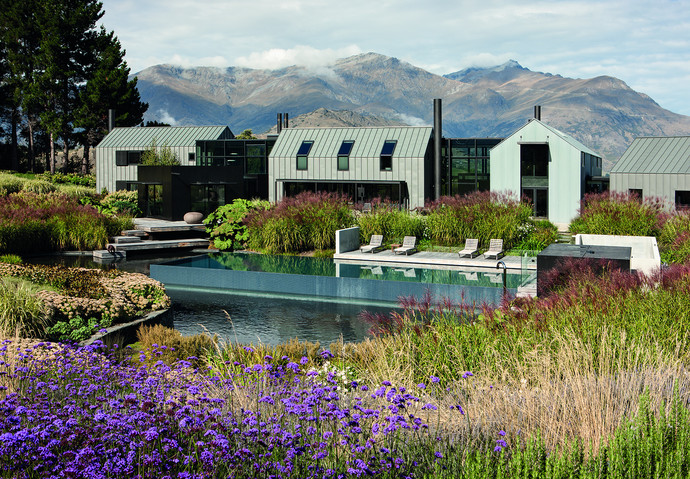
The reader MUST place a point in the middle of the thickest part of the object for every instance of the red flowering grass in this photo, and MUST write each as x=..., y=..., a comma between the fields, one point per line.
x=31, y=222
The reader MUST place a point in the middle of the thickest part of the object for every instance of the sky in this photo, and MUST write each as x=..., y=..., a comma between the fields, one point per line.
x=644, y=43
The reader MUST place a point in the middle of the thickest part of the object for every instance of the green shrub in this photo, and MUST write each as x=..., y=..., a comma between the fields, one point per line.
x=69, y=179
x=120, y=202
x=22, y=313
x=225, y=225
x=11, y=259
x=154, y=155
x=538, y=235
x=76, y=329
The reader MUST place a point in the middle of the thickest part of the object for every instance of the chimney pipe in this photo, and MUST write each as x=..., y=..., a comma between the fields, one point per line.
x=437, y=147
x=286, y=120
x=111, y=119
x=537, y=112
x=280, y=123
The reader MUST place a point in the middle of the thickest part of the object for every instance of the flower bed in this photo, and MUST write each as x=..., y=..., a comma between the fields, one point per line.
x=85, y=300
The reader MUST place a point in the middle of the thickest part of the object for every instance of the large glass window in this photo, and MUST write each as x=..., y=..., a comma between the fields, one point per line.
x=256, y=159
x=387, y=155
x=468, y=165
x=207, y=198
x=154, y=200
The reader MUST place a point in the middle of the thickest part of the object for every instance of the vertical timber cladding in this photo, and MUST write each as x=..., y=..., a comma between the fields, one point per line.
x=411, y=152
x=180, y=139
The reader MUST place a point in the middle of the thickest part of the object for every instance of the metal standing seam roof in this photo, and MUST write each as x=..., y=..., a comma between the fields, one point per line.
x=660, y=155
x=412, y=142
x=142, y=137
x=563, y=136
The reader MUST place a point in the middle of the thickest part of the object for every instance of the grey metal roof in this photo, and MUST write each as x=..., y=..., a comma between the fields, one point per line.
x=667, y=154
x=412, y=141
x=141, y=137
x=563, y=136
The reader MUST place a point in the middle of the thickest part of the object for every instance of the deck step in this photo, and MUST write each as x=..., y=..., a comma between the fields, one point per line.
x=125, y=239
x=138, y=233
x=160, y=244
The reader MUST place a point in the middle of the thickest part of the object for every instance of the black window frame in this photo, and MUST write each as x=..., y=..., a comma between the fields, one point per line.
x=302, y=157
x=127, y=157
x=386, y=156
x=344, y=154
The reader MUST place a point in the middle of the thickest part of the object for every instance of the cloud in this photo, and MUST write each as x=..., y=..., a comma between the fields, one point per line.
x=165, y=117
x=309, y=57
x=412, y=120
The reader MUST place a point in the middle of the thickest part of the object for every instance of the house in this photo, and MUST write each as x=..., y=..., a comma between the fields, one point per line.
x=118, y=154
x=547, y=166
x=363, y=163
x=655, y=167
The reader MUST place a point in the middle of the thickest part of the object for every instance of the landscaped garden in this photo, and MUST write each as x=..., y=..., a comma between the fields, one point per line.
x=590, y=380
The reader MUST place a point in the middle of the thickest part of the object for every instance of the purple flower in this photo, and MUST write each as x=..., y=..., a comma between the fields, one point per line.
x=326, y=354
x=434, y=379
x=467, y=374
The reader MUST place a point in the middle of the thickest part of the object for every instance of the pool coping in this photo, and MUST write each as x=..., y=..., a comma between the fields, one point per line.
x=434, y=259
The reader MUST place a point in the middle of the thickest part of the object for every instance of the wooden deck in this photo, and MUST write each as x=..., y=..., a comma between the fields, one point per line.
x=153, y=234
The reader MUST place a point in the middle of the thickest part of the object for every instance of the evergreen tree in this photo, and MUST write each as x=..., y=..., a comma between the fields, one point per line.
x=63, y=73
x=108, y=87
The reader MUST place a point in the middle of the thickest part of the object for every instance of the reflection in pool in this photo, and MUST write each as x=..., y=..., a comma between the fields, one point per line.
x=269, y=320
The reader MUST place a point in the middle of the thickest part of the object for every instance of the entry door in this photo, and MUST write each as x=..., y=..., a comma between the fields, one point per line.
x=540, y=201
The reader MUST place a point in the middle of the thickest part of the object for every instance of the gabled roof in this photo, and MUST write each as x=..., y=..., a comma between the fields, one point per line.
x=563, y=136
x=668, y=154
x=412, y=141
x=142, y=137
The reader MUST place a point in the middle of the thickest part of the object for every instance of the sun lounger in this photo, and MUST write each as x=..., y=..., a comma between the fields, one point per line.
x=495, y=249
x=471, y=249
x=375, y=245
x=409, y=246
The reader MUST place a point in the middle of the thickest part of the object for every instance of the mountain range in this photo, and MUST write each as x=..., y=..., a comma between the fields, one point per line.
x=372, y=89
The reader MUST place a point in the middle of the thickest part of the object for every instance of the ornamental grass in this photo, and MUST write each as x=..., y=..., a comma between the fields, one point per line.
x=304, y=222
x=480, y=215
x=33, y=222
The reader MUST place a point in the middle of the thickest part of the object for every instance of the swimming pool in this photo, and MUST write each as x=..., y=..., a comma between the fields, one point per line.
x=326, y=279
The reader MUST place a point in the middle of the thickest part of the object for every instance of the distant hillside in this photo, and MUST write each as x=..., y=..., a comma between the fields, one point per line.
x=372, y=89
x=337, y=119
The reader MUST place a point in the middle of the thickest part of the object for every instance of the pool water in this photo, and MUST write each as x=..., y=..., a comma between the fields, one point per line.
x=327, y=267
x=268, y=320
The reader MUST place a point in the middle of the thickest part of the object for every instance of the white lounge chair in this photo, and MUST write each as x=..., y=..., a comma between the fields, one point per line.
x=471, y=249
x=409, y=246
x=375, y=245
x=495, y=249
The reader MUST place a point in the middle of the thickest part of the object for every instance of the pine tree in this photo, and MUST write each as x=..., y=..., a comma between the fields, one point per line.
x=108, y=87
